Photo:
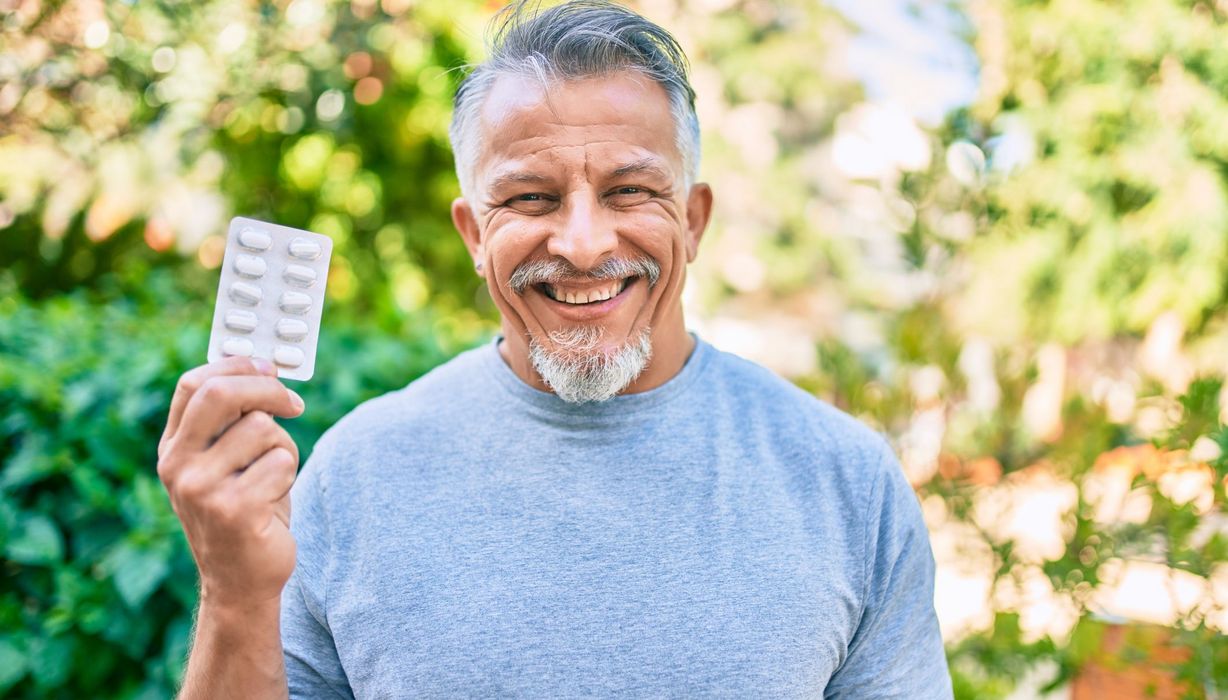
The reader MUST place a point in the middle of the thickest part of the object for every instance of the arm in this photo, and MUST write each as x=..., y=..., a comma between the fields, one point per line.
x=236, y=653
x=897, y=649
x=228, y=468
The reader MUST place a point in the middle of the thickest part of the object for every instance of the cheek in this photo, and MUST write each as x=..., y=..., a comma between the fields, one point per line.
x=508, y=247
x=655, y=235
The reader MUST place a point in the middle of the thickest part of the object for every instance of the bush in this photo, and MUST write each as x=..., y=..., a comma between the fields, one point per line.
x=99, y=586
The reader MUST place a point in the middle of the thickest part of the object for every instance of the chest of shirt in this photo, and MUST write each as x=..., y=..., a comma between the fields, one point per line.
x=551, y=576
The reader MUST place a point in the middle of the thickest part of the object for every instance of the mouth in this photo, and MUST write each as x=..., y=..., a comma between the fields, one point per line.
x=588, y=295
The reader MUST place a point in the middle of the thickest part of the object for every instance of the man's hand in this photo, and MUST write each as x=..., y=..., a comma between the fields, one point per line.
x=228, y=468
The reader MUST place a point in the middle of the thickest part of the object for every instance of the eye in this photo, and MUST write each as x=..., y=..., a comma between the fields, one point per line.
x=630, y=194
x=531, y=203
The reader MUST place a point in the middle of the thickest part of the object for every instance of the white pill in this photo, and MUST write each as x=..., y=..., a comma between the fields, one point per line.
x=250, y=266
x=287, y=356
x=294, y=302
x=245, y=293
x=241, y=321
x=291, y=329
x=238, y=346
x=254, y=239
x=304, y=249
x=300, y=274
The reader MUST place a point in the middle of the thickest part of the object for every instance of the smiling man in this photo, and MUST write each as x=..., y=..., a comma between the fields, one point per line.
x=597, y=503
x=580, y=204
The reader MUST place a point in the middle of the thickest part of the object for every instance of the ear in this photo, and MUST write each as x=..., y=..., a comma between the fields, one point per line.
x=698, y=212
x=467, y=226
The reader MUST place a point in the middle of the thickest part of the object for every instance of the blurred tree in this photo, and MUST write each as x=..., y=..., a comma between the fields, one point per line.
x=1097, y=160
x=132, y=131
x=1074, y=222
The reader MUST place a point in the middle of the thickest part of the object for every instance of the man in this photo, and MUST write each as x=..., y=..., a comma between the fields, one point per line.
x=595, y=504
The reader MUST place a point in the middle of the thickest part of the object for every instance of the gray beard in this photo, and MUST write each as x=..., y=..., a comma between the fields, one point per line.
x=579, y=371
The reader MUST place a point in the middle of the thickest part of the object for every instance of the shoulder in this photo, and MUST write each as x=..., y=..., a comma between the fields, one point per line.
x=796, y=420
x=842, y=472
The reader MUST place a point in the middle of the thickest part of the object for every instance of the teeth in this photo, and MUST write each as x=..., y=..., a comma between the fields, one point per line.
x=587, y=297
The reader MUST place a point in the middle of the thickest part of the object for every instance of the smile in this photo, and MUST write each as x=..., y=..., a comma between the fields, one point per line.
x=592, y=294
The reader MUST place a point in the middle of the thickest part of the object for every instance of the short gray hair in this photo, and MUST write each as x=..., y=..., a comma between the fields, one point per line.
x=575, y=40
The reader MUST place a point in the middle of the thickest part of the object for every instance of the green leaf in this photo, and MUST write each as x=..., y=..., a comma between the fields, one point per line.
x=136, y=572
x=1006, y=628
x=1085, y=641
x=175, y=648
x=78, y=397
x=50, y=659
x=29, y=463
x=131, y=631
x=1216, y=548
x=13, y=664
x=37, y=541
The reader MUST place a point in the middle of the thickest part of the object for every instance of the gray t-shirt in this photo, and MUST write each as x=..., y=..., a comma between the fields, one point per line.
x=725, y=534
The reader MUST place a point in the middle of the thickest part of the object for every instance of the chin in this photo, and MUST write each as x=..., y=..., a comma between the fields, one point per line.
x=577, y=366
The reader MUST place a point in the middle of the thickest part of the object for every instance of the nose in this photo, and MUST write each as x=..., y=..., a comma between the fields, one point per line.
x=585, y=236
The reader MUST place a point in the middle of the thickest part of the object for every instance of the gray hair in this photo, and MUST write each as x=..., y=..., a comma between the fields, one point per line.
x=558, y=269
x=578, y=39
x=578, y=372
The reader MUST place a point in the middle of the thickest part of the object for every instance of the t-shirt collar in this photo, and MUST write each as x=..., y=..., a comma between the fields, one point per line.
x=618, y=406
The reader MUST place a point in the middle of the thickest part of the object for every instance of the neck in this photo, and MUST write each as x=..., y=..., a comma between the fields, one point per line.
x=671, y=346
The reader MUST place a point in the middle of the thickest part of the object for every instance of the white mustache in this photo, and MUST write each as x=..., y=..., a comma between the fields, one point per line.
x=558, y=270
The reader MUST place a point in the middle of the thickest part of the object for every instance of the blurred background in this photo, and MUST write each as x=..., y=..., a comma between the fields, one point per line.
x=996, y=230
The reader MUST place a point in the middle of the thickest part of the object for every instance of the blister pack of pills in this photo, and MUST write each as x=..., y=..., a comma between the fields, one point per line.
x=271, y=296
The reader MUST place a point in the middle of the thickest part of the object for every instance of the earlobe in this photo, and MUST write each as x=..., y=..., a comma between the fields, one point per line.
x=467, y=226
x=698, y=212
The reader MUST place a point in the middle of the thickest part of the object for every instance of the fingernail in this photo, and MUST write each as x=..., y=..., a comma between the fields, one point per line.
x=295, y=399
x=263, y=366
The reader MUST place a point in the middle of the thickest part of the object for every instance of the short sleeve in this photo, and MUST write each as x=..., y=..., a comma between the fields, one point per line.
x=896, y=651
x=313, y=668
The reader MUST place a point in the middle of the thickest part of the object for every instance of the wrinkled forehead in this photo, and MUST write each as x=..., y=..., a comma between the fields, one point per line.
x=620, y=117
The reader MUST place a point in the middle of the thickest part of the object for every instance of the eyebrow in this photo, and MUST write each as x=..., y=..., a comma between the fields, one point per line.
x=516, y=177
x=648, y=166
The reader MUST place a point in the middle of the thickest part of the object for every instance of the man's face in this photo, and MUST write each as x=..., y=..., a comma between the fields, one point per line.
x=579, y=214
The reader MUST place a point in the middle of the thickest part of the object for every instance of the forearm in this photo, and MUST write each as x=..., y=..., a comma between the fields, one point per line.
x=236, y=654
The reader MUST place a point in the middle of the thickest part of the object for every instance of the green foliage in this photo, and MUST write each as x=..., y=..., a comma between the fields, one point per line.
x=99, y=587
x=1110, y=207
x=1091, y=177
x=987, y=666
x=134, y=148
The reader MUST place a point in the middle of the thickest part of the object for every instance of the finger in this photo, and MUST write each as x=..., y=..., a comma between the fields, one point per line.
x=221, y=401
x=270, y=477
x=244, y=442
x=238, y=446
x=193, y=379
x=283, y=506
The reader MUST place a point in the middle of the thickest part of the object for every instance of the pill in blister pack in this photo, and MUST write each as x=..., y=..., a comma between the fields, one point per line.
x=271, y=296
